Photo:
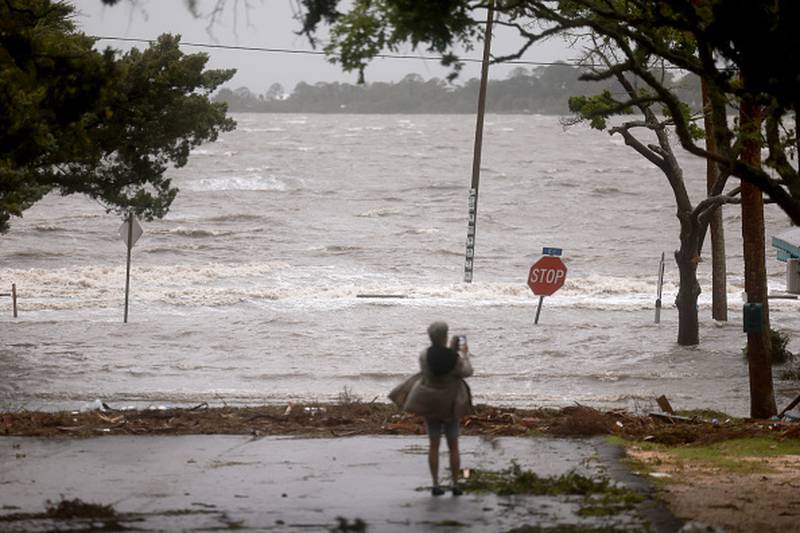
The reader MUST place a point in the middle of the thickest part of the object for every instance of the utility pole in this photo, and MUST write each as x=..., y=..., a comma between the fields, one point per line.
x=759, y=358
x=476, y=153
x=719, y=288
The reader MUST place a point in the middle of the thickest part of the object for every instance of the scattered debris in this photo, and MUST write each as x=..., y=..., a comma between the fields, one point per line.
x=76, y=508
x=600, y=496
x=664, y=405
x=345, y=526
x=360, y=418
x=675, y=418
x=789, y=407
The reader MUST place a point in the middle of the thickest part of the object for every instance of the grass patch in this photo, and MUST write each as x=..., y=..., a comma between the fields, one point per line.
x=730, y=455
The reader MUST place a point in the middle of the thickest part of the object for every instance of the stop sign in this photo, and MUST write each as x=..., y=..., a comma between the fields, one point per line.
x=547, y=275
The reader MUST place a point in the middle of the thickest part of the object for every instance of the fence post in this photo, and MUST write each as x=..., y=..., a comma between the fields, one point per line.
x=14, y=298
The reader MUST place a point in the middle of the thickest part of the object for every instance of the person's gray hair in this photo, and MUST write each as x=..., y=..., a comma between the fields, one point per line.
x=438, y=333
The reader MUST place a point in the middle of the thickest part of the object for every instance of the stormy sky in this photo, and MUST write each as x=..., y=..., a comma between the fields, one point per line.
x=270, y=24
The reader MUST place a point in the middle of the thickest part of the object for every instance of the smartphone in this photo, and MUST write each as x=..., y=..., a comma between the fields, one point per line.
x=462, y=341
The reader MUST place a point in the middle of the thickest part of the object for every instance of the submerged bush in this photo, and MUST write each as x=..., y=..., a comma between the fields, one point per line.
x=777, y=343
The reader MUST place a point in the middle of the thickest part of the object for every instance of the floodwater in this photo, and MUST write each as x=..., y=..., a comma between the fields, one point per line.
x=251, y=289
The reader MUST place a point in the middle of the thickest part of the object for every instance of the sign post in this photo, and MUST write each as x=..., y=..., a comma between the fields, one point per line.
x=658, y=290
x=546, y=276
x=129, y=232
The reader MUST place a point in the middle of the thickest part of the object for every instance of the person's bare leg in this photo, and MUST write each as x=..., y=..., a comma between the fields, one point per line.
x=455, y=459
x=433, y=459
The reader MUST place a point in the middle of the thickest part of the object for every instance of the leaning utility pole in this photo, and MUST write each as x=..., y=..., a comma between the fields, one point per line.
x=719, y=289
x=759, y=360
x=476, y=153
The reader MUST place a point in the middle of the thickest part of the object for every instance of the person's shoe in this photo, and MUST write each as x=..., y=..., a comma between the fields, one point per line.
x=457, y=491
x=437, y=491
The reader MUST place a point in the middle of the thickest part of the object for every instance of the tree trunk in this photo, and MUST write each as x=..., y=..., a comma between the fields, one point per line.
x=687, y=258
x=719, y=285
x=688, y=325
x=762, y=395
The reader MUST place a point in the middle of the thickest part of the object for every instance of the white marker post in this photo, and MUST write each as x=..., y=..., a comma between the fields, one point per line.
x=658, y=290
x=129, y=232
x=469, y=260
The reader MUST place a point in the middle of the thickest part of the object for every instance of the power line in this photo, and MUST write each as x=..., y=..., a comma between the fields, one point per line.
x=321, y=53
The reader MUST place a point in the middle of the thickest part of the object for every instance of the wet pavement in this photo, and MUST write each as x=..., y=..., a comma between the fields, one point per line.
x=292, y=484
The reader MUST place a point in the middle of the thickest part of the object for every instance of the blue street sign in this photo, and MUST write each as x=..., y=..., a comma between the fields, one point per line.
x=551, y=251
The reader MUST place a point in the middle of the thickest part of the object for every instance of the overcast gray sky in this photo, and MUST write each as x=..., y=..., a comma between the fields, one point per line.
x=268, y=25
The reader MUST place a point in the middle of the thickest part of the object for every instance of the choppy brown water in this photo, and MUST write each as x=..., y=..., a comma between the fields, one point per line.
x=248, y=290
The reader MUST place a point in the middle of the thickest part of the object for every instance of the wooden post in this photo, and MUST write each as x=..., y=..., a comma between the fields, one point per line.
x=538, y=310
x=762, y=394
x=476, y=153
x=14, y=298
x=128, y=267
x=719, y=289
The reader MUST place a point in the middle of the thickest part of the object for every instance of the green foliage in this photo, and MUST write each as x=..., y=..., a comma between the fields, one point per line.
x=358, y=35
x=600, y=496
x=596, y=109
x=76, y=120
x=778, y=341
x=516, y=480
x=791, y=374
x=370, y=27
x=778, y=351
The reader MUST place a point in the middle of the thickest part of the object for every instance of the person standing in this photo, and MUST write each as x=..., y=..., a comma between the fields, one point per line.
x=440, y=394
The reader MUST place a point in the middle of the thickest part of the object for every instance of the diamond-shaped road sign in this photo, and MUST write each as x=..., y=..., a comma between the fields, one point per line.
x=136, y=231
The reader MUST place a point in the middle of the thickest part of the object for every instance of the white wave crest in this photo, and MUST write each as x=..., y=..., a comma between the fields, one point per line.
x=48, y=228
x=196, y=232
x=260, y=130
x=421, y=231
x=222, y=284
x=254, y=182
x=379, y=212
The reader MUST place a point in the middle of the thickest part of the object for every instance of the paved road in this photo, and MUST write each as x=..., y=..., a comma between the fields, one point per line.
x=291, y=484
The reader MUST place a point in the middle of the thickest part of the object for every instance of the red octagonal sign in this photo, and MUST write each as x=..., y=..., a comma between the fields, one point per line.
x=547, y=275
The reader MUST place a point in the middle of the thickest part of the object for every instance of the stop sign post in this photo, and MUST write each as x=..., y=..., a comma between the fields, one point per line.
x=129, y=232
x=546, y=276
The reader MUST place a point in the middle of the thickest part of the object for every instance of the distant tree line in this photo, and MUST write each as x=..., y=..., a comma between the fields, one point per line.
x=541, y=90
